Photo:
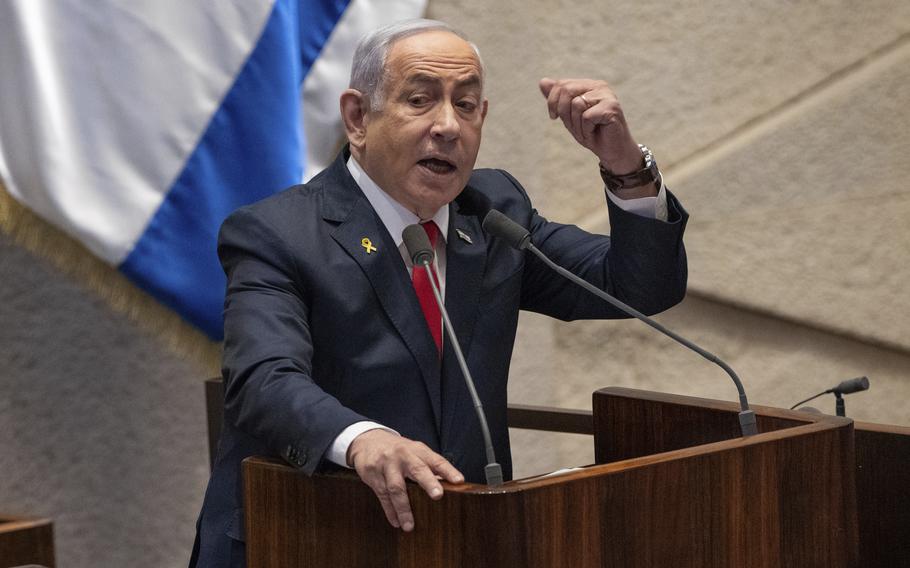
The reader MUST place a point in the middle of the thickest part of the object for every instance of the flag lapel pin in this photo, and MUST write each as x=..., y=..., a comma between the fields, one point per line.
x=464, y=236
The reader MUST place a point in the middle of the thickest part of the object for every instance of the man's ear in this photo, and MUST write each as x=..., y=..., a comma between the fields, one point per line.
x=484, y=107
x=353, y=113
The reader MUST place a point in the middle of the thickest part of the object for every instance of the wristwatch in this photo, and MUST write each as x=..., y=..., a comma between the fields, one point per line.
x=644, y=176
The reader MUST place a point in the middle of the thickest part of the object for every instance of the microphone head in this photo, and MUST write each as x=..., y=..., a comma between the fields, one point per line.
x=472, y=202
x=498, y=225
x=852, y=385
x=418, y=244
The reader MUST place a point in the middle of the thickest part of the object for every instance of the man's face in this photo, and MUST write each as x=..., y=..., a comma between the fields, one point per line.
x=421, y=147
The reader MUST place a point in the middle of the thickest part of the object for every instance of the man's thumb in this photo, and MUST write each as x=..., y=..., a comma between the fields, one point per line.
x=546, y=84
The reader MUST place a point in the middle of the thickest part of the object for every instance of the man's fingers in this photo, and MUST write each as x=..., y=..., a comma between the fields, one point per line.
x=444, y=469
x=425, y=472
x=570, y=100
x=589, y=121
x=564, y=107
x=560, y=97
x=594, y=117
x=423, y=475
x=579, y=105
x=545, y=85
x=375, y=479
x=607, y=113
x=553, y=101
x=392, y=493
x=390, y=514
x=383, y=461
x=398, y=494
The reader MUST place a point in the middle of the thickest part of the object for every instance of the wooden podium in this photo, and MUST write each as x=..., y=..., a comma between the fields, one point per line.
x=674, y=485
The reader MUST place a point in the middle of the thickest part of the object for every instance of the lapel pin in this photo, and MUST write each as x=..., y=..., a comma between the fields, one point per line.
x=366, y=244
x=464, y=236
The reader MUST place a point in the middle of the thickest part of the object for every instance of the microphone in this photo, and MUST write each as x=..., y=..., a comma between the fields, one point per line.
x=849, y=386
x=418, y=244
x=421, y=252
x=499, y=225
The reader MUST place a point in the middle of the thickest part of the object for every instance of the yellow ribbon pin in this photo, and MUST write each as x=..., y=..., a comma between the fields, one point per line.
x=365, y=243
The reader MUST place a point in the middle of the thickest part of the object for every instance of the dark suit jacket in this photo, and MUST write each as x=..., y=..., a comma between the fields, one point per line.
x=320, y=334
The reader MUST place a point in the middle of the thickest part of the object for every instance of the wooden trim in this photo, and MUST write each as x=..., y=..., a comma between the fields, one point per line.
x=26, y=541
x=551, y=419
x=882, y=428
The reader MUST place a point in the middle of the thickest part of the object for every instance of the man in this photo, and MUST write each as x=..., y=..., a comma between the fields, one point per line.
x=330, y=357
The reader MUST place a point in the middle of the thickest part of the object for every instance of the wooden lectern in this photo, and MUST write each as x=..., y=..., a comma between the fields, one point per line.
x=674, y=485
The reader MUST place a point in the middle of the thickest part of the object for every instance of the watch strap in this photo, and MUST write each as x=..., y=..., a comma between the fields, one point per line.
x=647, y=174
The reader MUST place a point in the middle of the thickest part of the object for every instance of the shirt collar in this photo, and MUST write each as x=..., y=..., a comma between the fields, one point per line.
x=393, y=215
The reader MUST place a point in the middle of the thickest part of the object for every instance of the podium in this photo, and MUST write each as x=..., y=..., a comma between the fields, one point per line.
x=674, y=485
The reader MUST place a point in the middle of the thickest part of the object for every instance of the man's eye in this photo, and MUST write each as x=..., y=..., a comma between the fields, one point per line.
x=467, y=106
x=418, y=100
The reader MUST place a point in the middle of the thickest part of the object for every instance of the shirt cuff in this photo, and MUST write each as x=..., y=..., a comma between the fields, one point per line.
x=650, y=207
x=338, y=451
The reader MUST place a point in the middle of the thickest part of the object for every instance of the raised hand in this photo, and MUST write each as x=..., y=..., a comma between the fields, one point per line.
x=591, y=112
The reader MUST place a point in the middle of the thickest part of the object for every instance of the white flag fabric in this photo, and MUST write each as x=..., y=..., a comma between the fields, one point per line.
x=138, y=126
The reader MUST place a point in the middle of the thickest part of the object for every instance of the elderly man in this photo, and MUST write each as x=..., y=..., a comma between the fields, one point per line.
x=331, y=356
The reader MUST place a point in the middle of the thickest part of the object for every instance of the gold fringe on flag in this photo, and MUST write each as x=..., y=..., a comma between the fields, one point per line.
x=46, y=241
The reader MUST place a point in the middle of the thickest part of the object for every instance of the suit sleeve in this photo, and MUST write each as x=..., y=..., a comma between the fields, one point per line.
x=642, y=262
x=269, y=391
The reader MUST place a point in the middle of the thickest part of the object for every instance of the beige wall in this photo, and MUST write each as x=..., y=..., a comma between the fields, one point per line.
x=780, y=125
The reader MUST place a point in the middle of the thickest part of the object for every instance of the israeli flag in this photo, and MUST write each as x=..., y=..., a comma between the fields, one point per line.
x=137, y=126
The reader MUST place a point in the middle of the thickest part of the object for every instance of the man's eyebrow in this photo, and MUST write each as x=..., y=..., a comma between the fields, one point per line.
x=428, y=78
x=473, y=80
x=423, y=78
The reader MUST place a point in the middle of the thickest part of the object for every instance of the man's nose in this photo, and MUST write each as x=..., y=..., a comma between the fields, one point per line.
x=445, y=123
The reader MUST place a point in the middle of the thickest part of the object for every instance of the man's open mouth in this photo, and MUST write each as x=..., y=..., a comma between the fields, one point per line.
x=437, y=166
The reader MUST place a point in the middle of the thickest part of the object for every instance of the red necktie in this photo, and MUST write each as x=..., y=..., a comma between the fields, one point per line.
x=425, y=291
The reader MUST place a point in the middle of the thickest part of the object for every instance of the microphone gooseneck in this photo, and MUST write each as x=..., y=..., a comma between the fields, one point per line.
x=499, y=225
x=421, y=252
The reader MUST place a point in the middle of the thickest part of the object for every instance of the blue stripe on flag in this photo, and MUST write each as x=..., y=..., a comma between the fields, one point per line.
x=252, y=148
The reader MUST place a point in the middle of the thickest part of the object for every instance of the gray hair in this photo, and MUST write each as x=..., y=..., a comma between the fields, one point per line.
x=368, y=69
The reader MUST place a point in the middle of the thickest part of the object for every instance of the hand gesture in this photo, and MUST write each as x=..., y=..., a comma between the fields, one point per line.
x=591, y=112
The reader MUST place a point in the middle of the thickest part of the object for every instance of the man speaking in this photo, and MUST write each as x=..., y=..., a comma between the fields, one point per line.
x=333, y=354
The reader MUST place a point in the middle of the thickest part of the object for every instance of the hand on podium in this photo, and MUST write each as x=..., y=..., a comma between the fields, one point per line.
x=384, y=459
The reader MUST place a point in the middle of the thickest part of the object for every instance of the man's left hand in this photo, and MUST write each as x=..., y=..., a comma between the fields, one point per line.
x=592, y=114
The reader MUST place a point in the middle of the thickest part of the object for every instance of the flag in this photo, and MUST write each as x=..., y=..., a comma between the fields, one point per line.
x=137, y=126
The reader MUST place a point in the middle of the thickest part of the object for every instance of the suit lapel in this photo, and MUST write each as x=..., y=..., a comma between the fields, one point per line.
x=466, y=250
x=388, y=277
